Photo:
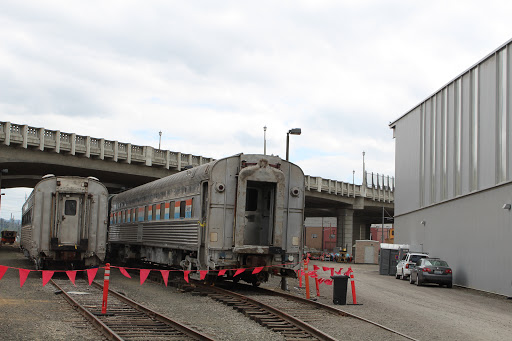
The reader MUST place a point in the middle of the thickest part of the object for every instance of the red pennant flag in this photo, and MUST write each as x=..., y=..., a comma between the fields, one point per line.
x=312, y=274
x=316, y=267
x=348, y=271
x=47, y=275
x=185, y=275
x=238, y=272
x=325, y=268
x=328, y=281
x=302, y=273
x=202, y=274
x=23, y=276
x=91, y=274
x=3, y=269
x=321, y=280
x=222, y=272
x=72, y=276
x=257, y=270
x=339, y=271
x=143, y=275
x=124, y=272
x=165, y=275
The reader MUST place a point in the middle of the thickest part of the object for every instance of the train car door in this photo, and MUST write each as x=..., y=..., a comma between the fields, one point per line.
x=70, y=219
x=259, y=213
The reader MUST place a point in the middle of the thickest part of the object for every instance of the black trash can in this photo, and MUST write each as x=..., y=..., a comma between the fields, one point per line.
x=339, y=293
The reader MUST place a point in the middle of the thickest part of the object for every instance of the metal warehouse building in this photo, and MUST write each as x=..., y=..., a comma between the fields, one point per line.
x=454, y=175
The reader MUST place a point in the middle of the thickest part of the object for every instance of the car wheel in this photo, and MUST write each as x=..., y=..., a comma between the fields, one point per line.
x=418, y=281
x=411, y=281
x=449, y=285
x=404, y=278
x=397, y=276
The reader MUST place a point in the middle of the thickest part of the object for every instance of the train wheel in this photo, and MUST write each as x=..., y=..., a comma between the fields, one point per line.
x=39, y=262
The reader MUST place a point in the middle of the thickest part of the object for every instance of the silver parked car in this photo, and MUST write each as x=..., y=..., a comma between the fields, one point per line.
x=431, y=270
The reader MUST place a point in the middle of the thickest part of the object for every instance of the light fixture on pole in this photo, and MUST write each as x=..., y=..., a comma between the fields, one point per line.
x=160, y=139
x=294, y=131
x=265, y=140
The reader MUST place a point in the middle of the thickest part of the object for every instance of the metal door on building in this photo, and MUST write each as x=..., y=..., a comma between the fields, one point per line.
x=369, y=252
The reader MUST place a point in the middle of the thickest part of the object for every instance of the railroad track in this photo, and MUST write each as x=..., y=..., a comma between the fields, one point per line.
x=125, y=319
x=275, y=319
x=296, y=318
x=309, y=311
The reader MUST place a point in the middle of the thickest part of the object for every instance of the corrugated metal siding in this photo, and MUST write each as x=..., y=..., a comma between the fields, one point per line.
x=464, y=174
x=180, y=233
x=173, y=233
x=459, y=140
x=126, y=234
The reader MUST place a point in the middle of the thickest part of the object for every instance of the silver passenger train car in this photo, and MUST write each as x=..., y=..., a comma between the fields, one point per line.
x=242, y=211
x=64, y=222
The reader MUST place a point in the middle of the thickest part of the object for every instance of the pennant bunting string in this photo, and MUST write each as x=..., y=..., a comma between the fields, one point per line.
x=23, y=276
x=91, y=274
x=47, y=275
x=165, y=275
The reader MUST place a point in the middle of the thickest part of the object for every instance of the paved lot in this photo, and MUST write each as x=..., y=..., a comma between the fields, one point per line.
x=428, y=312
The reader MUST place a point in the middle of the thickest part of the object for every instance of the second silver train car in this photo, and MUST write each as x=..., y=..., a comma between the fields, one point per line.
x=242, y=211
x=64, y=222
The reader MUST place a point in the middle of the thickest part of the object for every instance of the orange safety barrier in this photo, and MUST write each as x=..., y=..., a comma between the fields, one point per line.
x=352, y=283
x=106, y=281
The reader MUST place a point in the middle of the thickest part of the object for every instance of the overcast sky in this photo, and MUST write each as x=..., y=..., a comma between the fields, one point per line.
x=211, y=74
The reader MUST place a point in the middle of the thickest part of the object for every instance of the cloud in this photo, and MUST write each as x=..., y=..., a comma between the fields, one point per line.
x=211, y=75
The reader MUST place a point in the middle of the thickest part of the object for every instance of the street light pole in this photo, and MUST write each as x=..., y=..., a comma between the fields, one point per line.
x=265, y=140
x=160, y=139
x=294, y=131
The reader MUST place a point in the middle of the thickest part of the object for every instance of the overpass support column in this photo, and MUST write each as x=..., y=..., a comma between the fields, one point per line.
x=345, y=223
x=7, y=131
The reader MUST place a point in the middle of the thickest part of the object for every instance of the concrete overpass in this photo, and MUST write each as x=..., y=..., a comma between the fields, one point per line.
x=28, y=153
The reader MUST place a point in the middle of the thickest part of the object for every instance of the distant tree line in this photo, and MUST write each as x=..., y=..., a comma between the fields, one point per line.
x=10, y=225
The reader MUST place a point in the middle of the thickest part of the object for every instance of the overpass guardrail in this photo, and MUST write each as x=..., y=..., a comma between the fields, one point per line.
x=379, y=188
x=91, y=147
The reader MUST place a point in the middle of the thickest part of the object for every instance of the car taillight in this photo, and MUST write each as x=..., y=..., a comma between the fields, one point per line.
x=426, y=270
x=407, y=266
x=448, y=271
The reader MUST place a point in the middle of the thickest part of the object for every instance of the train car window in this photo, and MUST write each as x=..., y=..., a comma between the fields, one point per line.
x=183, y=206
x=251, y=199
x=170, y=213
x=162, y=211
x=70, y=207
x=204, y=204
x=27, y=218
x=188, y=208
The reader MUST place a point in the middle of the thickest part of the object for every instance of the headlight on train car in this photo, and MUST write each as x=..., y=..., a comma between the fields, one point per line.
x=290, y=258
x=219, y=187
x=295, y=191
